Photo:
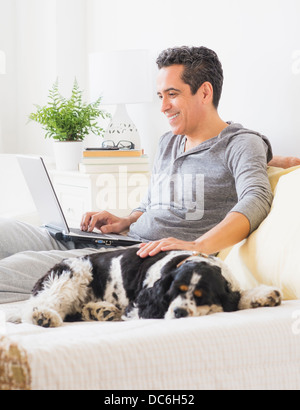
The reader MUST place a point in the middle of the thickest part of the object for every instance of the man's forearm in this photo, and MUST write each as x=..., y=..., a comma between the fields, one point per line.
x=133, y=217
x=232, y=230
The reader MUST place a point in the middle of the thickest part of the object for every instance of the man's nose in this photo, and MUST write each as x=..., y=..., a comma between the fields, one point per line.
x=165, y=105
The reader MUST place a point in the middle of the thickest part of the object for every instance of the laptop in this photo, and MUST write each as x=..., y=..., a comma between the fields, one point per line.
x=50, y=210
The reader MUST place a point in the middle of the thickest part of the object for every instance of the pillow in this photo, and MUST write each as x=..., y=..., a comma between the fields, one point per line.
x=276, y=173
x=271, y=255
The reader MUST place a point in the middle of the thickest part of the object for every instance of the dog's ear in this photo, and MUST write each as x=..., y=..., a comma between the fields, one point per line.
x=169, y=272
x=229, y=299
x=166, y=283
x=153, y=302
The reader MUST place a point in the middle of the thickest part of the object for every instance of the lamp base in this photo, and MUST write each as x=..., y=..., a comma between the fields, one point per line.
x=121, y=128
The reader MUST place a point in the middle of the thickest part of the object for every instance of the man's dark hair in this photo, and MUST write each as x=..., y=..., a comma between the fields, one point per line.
x=201, y=65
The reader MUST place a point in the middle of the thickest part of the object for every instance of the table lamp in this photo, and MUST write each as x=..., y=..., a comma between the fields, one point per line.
x=121, y=77
x=2, y=71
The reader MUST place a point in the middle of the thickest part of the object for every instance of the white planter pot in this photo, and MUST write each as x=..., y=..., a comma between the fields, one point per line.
x=68, y=155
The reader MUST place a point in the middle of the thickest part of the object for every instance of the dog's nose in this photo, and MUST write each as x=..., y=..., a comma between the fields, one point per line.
x=179, y=313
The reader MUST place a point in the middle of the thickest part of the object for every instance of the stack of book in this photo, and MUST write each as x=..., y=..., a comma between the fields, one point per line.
x=123, y=178
x=99, y=161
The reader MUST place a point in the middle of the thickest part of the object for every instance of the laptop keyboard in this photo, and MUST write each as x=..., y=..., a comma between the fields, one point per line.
x=82, y=233
x=78, y=232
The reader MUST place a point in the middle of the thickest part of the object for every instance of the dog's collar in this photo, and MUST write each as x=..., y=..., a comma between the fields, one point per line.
x=200, y=254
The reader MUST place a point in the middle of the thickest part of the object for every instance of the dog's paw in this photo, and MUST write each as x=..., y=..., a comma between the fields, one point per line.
x=101, y=312
x=267, y=297
x=263, y=296
x=46, y=318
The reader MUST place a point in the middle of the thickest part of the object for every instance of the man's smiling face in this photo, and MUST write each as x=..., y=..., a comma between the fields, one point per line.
x=183, y=109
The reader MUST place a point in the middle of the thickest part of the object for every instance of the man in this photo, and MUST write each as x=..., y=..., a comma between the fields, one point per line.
x=209, y=188
x=232, y=160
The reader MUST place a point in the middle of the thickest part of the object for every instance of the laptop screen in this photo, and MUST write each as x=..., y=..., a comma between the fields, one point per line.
x=43, y=193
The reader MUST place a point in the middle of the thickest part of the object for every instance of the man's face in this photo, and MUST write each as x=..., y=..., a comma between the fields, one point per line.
x=183, y=110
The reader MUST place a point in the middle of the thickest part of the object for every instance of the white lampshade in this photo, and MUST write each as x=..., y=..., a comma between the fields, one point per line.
x=2, y=62
x=121, y=77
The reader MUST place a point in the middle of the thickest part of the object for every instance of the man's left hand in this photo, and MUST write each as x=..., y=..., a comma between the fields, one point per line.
x=168, y=244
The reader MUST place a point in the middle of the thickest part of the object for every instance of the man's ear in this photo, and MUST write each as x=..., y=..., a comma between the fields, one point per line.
x=206, y=93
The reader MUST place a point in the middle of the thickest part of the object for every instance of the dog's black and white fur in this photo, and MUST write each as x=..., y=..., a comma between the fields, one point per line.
x=120, y=285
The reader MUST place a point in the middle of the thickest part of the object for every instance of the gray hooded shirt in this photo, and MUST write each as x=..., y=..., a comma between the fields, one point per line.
x=191, y=192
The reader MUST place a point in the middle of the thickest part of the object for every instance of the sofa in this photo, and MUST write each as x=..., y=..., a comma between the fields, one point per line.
x=255, y=349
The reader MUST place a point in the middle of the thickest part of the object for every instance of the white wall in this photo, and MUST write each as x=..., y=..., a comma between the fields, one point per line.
x=43, y=40
x=8, y=87
x=36, y=66
x=257, y=41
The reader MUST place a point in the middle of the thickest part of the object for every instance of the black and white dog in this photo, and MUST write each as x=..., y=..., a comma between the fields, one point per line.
x=120, y=285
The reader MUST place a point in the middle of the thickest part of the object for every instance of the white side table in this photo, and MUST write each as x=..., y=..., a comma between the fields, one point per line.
x=118, y=193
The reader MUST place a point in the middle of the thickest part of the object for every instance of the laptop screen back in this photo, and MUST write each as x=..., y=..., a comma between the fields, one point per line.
x=43, y=193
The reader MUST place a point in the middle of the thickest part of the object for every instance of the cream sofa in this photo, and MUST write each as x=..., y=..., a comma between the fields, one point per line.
x=272, y=253
x=252, y=349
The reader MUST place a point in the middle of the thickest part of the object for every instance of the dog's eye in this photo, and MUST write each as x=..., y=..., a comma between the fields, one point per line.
x=183, y=288
x=198, y=293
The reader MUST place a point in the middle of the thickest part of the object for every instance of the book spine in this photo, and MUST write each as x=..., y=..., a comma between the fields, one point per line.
x=109, y=154
x=144, y=159
x=113, y=168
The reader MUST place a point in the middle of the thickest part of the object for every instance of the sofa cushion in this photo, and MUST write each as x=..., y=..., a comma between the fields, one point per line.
x=276, y=173
x=271, y=255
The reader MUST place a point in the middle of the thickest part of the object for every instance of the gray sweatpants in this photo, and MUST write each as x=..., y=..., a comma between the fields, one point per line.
x=26, y=254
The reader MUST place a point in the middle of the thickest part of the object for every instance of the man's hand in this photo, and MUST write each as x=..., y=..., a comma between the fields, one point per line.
x=104, y=221
x=168, y=244
x=233, y=229
x=284, y=162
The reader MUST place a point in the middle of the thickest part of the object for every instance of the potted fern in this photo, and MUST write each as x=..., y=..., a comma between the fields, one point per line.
x=68, y=122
